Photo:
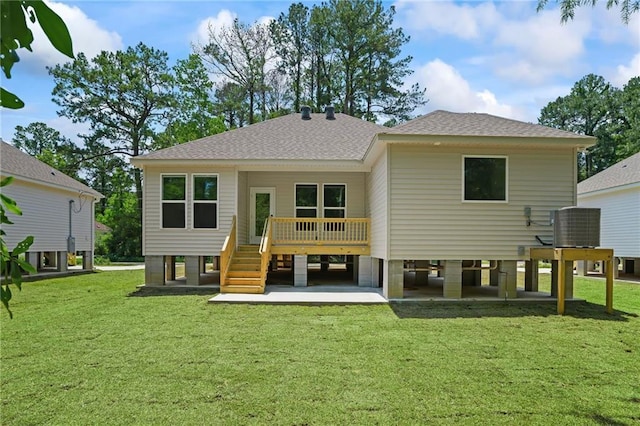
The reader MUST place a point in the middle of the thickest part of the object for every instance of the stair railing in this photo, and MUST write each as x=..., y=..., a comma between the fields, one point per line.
x=265, y=250
x=227, y=252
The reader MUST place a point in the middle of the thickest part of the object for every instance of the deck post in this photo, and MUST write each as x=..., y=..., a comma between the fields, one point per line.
x=192, y=269
x=609, y=285
x=154, y=270
x=393, y=279
x=531, y=275
x=364, y=270
x=508, y=280
x=300, y=270
x=452, y=287
x=554, y=278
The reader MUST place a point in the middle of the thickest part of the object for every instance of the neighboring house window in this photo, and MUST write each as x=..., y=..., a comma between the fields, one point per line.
x=205, y=201
x=335, y=200
x=306, y=200
x=485, y=178
x=174, y=201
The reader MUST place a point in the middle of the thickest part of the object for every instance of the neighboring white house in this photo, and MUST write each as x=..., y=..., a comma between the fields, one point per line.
x=616, y=191
x=446, y=188
x=57, y=210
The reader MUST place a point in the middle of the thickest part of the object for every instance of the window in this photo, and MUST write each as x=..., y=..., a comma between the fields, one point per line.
x=205, y=201
x=335, y=202
x=485, y=178
x=173, y=201
x=306, y=200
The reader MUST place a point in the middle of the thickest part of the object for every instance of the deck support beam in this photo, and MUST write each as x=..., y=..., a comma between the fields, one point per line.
x=393, y=279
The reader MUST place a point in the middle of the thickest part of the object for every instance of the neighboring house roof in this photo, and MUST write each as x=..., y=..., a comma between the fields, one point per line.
x=101, y=227
x=283, y=138
x=14, y=162
x=445, y=123
x=622, y=173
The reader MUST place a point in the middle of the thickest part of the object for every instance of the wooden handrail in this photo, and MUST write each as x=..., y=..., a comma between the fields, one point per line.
x=320, y=231
x=265, y=250
x=228, y=249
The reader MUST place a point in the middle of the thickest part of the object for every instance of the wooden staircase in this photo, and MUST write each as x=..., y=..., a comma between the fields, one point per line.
x=244, y=275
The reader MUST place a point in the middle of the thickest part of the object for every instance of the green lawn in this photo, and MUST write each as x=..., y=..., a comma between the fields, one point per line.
x=83, y=350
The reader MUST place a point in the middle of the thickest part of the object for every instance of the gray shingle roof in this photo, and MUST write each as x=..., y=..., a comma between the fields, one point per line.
x=14, y=162
x=624, y=172
x=282, y=138
x=445, y=123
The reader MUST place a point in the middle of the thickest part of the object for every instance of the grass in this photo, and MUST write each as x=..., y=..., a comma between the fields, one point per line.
x=87, y=350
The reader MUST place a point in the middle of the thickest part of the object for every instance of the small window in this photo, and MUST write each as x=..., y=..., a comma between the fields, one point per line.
x=173, y=201
x=335, y=201
x=485, y=179
x=306, y=200
x=205, y=201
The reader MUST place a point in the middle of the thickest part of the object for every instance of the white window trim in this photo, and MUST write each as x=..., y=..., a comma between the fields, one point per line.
x=506, y=177
x=335, y=208
x=295, y=198
x=194, y=201
x=162, y=201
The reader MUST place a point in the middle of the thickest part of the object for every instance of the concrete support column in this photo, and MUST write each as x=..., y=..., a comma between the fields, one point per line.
x=471, y=277
x=364, y=271
x=375, y=272
x=216, y=263
x=636, y=267
x=393, y=279
x=531, y=275
x=494, y=275
x=422, y=271
x=583, y=268
x=300, y=270
x=170, y=262
x=568, y=279
x=61, y=261
x=33, y=258
x=616, y=267
x=508, y=279
x=87, y=260
x=452, y=287
x=154, y=270
x=192, y=267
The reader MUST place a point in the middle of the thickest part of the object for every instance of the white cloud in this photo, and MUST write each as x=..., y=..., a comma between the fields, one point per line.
x=448, y=90
x=448, y=18
x=86, y=34
x=223, y=19
x=624, y=73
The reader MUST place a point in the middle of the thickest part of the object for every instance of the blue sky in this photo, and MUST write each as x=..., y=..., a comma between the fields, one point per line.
x=479, y=56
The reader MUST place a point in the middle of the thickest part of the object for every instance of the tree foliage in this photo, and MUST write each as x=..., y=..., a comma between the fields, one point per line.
x=16, y=34
x=594, y=107
x=568, y=7
x=11, y=265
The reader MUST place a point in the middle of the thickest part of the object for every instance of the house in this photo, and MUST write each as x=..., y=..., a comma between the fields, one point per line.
x=444, y=191
x=616, y=192
x=57, y=210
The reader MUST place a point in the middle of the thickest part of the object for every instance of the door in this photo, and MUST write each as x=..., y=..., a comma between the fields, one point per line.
x=263, y=205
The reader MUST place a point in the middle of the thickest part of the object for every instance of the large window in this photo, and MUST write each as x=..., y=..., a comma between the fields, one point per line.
x=335, y=200
x=173, y=201
x=485, y=178
x=306, y=200
x=205, y=201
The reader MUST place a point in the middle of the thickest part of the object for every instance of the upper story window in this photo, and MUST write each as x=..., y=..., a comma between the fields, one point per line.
x=205, y=201
x=485, y=178
x=306, y=200
x=334, y=200
x=174, y=201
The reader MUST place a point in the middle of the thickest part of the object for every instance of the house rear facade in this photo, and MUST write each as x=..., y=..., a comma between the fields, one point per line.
x=446, y=190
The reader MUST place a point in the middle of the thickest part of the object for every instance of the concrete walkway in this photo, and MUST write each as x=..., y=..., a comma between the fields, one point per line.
x=320, y=295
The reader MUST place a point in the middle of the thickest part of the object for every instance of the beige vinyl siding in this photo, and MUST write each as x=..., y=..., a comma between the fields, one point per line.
x=243, y=208
x=619, y=219
x=189, y=241
x=284, y=182
x=429, y=220
x=45, y=216
x=377, y=182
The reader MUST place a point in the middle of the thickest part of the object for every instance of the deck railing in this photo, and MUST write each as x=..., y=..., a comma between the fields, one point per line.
x=265, y=250
x=337, y=232
x=228, y=249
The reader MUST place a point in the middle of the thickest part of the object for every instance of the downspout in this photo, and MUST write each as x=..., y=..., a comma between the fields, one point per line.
x=71, y=243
